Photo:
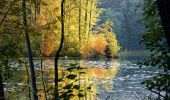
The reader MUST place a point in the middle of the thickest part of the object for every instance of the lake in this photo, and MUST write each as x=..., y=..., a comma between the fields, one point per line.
x=109, y=80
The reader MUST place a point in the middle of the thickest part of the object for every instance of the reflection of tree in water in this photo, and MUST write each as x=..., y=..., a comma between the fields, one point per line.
x=102, y=77
x=96, y=76
x=108, y=52
x=108, y=62
x=108, y=57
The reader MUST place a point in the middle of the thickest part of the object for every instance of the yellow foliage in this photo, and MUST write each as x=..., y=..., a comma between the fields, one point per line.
x=112, y=43
x=95, y=45
x=100, y=44
x=92, y=43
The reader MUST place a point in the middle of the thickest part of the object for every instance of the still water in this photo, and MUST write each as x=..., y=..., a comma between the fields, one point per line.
x=109, y=80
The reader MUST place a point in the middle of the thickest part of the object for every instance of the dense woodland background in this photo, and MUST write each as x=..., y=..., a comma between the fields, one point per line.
x=86, y=29
x=125, y=15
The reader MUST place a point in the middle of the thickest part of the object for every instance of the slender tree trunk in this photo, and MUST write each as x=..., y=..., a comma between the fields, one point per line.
x=35, y=9
x=80, y=21
x=86, y=14
x=28, y=81
x=2, y=96
x=68, y=26
x=32, y=72
x=42, y=77
x=91, y=7
x=56, y=94
x=85, y=89
x=1, y=38
x=80, y=12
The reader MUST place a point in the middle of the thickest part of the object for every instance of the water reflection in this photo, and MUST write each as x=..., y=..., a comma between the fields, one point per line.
x=108, y=62
x=99, y=74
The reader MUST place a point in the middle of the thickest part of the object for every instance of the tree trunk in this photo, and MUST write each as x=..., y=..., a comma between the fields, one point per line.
x=2, y=97
x=56, y=94
x=86, y=14
x=164, y=10
x=80, y=22
x=33, y=78
x=28, y=80
x=42, y=78
x=91, y=7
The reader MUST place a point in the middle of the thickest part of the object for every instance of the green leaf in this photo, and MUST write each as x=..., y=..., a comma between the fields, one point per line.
x=82, y=72
x=89, y=88
x=69, y=86
x=80, y=95
x=76, y=87
x=71, y=76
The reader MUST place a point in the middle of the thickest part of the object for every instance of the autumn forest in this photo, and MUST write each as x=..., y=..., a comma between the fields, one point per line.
x=84, y=50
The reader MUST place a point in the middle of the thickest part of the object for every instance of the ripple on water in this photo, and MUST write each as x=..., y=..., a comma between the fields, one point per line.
x=127, y=83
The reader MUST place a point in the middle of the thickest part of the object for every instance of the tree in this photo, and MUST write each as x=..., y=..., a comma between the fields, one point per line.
x=78, y=19
x=86, y=15
x=102, y=38
x=2, y=96
x=155, y=41
x=80, y=11
x=51, y=29
x=56, y=94
x=163, y=6
x=124, y=14
x=7, y=12
x=29, y=51
x=90, y=19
